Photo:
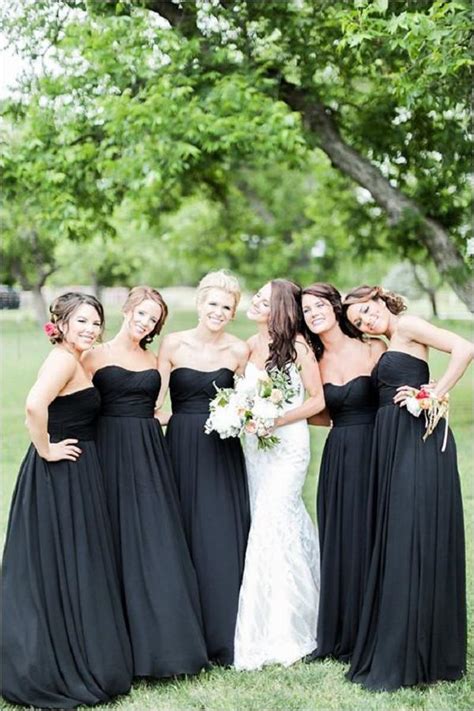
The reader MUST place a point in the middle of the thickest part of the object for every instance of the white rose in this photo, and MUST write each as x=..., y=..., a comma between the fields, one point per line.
x=264, y=409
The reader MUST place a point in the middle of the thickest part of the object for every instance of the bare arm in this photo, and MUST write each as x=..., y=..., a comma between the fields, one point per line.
x=321, y=419
x=242, y=352
x=311, y=378
x=461, y=350
x=165, y=364
x=54, y=375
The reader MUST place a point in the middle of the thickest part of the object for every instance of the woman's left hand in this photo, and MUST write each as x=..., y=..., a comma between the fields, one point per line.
x=403, y=392
x=162, y=417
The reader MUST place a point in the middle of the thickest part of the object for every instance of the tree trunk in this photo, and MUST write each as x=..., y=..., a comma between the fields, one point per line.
x=39, y=305
x=97, y=287
x=434, y=306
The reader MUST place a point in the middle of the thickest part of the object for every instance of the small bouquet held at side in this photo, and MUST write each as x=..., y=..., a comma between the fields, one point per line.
x=433, y=407
x=251, y=408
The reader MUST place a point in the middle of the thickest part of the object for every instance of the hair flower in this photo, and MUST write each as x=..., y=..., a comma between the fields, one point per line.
x=50, y=329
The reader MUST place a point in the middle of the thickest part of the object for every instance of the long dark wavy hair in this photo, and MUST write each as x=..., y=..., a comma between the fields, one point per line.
x=331, y=294
x=284, y=323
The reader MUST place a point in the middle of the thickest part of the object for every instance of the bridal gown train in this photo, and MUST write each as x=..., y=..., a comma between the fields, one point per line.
x=279, y=597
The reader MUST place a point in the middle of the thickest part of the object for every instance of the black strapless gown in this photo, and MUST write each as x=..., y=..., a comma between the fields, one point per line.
x=413, y=622
x=213, y=491
x=158, y=581
x=342, y=500
x=64, y=639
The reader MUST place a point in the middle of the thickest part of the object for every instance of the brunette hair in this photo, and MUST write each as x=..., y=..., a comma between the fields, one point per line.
x=63, y=308
x=284, y=323
x=135, y=297
x=331, y=294
x=221, y=279
x=394, y=302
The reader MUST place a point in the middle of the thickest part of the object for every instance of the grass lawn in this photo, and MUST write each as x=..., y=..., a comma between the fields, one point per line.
x=315, y=686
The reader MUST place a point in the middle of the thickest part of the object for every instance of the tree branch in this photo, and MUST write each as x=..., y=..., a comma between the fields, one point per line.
x=319, y=121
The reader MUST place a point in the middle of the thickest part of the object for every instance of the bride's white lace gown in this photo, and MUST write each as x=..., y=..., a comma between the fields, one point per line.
x=279, y=597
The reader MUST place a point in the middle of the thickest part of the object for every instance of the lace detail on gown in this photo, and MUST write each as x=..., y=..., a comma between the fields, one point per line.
x=279, y=597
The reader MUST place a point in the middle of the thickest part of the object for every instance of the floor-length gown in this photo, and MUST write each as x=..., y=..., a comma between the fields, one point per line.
x=64, y=638
x=212, y=483
x=413, y=623
x=279, y=598
x=342, y=500
x=158, y=581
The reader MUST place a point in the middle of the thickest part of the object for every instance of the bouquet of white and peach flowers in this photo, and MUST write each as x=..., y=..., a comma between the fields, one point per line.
x=251, y=408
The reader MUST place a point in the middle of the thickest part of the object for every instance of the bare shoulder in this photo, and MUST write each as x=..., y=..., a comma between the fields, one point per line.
x=172, y=340
x=302, y=347
x=239, y=347
x=92, y=358
x=409, y=324
x=59, y=361
x=252, y=342
x=151, y=358
x=377, y=346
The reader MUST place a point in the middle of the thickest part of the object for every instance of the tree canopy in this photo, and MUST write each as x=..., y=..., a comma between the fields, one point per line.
x=228, y=107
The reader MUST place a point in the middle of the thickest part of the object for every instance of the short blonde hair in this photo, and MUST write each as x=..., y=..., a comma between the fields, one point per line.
x=221, y=279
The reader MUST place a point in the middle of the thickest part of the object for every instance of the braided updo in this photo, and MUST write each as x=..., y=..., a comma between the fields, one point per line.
x=64, y=306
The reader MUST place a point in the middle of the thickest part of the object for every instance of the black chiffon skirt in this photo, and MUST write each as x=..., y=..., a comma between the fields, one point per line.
x=159, y=587
x=212, y=484
x=413, y=623
x=342, y=506
x=64, y=638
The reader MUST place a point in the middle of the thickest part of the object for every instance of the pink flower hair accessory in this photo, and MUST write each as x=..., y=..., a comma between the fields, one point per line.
x=51, y=329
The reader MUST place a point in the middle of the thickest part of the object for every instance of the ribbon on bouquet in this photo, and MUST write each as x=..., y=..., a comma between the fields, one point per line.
x=434, y=408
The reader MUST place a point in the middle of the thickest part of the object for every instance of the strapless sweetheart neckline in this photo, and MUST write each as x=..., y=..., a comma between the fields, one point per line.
x=76, y=392
x=121, y=367
x=196, y=370
x=342, y=385
x=410, y=355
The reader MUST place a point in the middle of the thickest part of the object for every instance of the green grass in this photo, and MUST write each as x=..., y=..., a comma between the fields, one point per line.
x=317, y=686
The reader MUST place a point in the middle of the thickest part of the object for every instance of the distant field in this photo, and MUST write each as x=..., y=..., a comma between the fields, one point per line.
x=317, y=686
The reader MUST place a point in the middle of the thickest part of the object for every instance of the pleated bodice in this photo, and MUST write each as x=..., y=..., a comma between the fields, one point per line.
x=74, y=415
x=191, y=390
x=127, y=393
x=353, y=403
x=396, y=368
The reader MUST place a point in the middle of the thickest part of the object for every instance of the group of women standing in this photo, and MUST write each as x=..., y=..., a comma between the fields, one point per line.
x=129, y=554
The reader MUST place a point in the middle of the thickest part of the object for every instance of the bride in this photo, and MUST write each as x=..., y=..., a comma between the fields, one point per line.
x=278, y=603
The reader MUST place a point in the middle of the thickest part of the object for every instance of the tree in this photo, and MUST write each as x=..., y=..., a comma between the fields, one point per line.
x=414, y=281
x=204, y=87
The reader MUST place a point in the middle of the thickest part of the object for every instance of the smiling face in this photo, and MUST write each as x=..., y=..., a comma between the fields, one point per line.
x=369, y=316
x=82, y=328
x=142, y=319
x=216, y=308
x=318, y=313
x=260, y=306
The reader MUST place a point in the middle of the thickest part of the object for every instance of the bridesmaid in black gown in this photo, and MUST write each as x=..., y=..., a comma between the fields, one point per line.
x=210, y=472
x=345, y=363
x=413, y=623
x=64, y=638
x=158, y=581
